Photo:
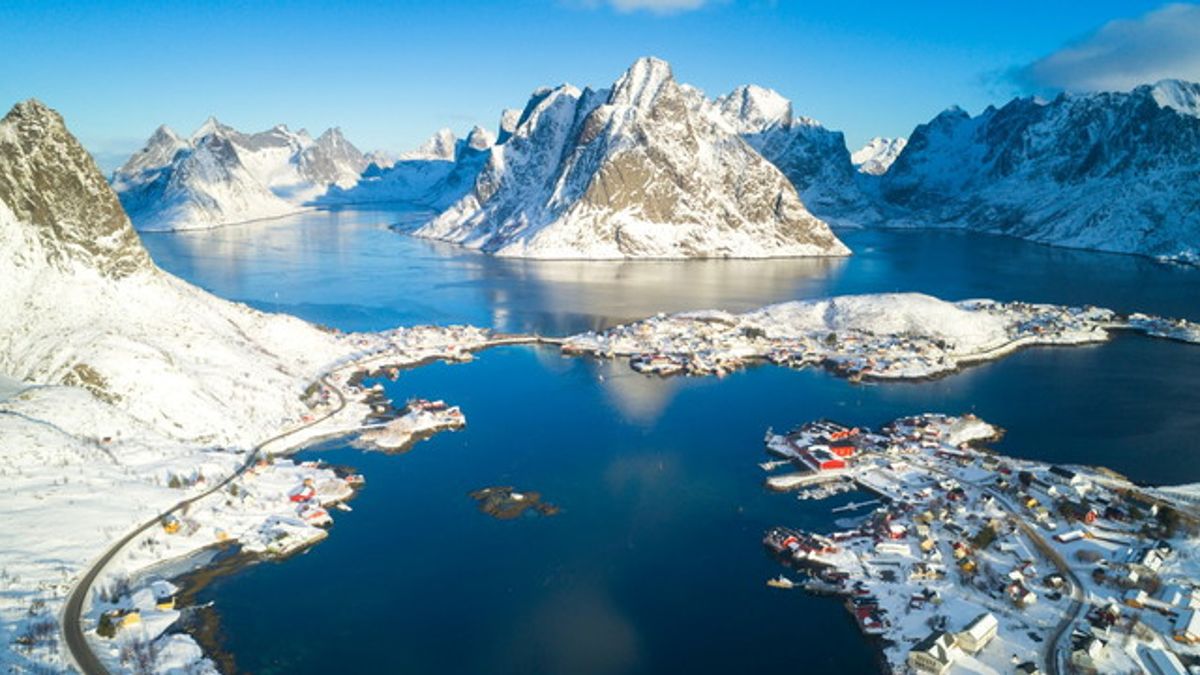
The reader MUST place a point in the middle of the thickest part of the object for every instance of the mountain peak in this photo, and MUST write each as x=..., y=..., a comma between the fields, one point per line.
x=210, y=126
x=756, y=108
x=53, y=187
x=440, y=145
x=640, y=85
x=480, y=138
x=1179, y=95
x=877, y=156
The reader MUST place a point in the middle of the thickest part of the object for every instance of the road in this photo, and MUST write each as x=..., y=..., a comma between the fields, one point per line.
x=1050, y=657
x=1052, y=650
x=73, y=636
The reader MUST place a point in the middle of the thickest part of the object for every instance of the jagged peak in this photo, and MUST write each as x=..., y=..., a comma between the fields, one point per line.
x=441, y=145
x=331, y=133
x=641, y=84
x=542, y=99
x=509, y=118
x=210, y=126
x=480, y=138
x=51, y=184
x=165, y=133
x=1179, y=95
x=756, y=107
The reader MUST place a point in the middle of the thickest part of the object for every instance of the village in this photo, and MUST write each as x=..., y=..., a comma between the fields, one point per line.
x=974, y=562
x=888, y=336
x=273, y=506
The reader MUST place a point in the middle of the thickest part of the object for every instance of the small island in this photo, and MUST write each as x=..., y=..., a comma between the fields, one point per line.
x=505, y=503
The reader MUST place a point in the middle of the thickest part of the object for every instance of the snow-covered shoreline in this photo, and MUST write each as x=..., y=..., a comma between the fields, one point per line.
x=902, y=336
x=271, y=507
x=966, y=557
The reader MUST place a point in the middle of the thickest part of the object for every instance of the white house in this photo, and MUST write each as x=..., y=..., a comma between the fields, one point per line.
x=978, y=633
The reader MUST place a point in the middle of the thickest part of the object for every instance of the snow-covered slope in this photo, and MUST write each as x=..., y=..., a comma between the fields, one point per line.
x=221, y=176
x=435, y=175
x=1111, y=171
x=641, y=170
x=876, y=157
x=814, y=159
x=85, y=305
x=113, y=374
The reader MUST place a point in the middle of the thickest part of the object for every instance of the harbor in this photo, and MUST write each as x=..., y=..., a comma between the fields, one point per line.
x=966, y=557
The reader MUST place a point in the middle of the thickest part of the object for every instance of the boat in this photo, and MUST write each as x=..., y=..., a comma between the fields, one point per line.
x=781, y=582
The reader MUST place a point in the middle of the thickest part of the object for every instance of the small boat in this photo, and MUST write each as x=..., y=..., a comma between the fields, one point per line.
x=781, y=582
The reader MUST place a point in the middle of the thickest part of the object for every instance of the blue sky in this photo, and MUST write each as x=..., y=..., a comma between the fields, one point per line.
x=392, y=73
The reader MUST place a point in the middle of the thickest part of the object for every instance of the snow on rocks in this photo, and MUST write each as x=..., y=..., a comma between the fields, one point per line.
x=988, y=556
x=420, y=419
x=1171, y=329
x=886, y=336
x=639, y=170
x=220, y=175
x=1108, y=171
x=877, y=156
x=124, y=390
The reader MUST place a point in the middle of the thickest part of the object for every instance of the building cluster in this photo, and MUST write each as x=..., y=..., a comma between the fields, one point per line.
x=419, y=420
x=972, y=558
x=712, y=342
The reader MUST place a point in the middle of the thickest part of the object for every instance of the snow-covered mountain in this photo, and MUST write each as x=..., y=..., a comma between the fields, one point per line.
x=114, y=376
x=433, y=176
x=877, y=156
x=85, y=306
x=814, y=159
x=640, y=170
x=1109, y=171
x=220, y=175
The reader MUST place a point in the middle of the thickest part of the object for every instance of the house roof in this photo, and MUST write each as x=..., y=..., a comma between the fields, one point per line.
x=981, y=625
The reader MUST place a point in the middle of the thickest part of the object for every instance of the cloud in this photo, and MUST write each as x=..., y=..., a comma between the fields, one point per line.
x=1123, y=54
x=651, y=6
x=657, y=6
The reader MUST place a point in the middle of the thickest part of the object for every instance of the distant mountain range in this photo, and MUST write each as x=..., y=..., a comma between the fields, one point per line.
x=433, y=176
x=652, y=168
x=1113, y=172
x=220, y=176
x=88, y=309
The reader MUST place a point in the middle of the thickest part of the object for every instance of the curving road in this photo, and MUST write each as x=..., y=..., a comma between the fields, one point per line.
x=77, y=645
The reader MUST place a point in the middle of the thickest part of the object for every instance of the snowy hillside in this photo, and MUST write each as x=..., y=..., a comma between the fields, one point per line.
x=115, y=373
x=814, y=159
x=221, y=176
x=635, y=171
x=876, y=157
x=1110, y=171
x=435, y=175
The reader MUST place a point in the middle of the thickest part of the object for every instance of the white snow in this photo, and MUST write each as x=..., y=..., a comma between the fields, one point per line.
x=641, y=170
x=892, y=336
x=221, y=176
x=1108, y=171
x=876, y=157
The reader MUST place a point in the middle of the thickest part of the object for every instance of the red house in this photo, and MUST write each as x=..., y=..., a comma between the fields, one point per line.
x=843, y=449
x=822, y=459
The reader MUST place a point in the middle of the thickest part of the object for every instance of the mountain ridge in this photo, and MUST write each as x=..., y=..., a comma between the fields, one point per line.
x=637, y=170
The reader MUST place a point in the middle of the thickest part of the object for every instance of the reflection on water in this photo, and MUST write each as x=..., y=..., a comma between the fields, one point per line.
x=306, y=263
x=347, y=268
x=654, y=564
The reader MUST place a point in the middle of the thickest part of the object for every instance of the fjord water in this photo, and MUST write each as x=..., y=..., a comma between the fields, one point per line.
x=654, y=564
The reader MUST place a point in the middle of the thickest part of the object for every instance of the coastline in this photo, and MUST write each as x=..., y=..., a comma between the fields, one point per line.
x=343, y=380
x=79, y=641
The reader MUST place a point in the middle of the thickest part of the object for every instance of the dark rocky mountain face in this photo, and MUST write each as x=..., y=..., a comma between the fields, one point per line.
x=1112, y=171
x=53, y=185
